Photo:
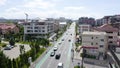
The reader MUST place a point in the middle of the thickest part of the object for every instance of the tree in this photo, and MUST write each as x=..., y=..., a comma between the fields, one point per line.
x=12, y=42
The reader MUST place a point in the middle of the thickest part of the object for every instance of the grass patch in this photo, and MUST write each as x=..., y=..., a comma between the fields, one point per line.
x=3, y=44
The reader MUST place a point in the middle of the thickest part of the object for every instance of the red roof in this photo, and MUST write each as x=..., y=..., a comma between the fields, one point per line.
x=4, y=26
x=106, y=28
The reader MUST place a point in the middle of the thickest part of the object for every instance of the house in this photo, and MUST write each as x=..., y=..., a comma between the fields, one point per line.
x=95, y=44
x=6, y=28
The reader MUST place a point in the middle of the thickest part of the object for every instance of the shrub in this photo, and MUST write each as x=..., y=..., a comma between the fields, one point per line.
x=3, y=44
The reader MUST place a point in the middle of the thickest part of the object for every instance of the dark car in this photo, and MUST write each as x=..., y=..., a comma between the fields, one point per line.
x=69, y=40
x=52, y=53
x=57, y=56
x=7, y=48
x=62, y=39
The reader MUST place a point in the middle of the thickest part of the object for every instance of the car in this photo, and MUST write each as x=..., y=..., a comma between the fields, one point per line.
x=60, y=65
x=57, y=56
x=55, y=48
x=52, y=53
x=59, y=43
x=7, y=48
x=69, y=40
x=71, y=34
x=62, y=39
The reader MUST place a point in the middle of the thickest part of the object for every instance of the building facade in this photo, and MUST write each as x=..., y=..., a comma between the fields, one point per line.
x=84, y=27
x=95, y=43
x=111, y=32
x=40, y=28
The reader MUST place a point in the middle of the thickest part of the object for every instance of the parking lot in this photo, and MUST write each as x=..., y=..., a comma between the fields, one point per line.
x=15, y=52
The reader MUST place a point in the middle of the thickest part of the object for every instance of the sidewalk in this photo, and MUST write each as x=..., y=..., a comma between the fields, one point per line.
x=77, y=54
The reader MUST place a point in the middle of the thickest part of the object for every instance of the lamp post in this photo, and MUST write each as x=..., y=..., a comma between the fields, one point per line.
x=84, y=52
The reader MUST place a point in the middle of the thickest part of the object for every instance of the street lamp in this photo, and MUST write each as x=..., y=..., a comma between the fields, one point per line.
x=83, y=55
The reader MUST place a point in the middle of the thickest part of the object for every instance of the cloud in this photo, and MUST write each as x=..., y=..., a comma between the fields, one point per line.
x=2, y=2
x=39, y=4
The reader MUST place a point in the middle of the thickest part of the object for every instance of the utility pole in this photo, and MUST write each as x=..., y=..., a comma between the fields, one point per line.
x=26, y=20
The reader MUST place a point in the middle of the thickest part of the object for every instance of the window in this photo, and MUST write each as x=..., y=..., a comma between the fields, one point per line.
x=110, y=42
x=43, y=31
x=36, y=30
x=91, y=43
x=101, y=46
x=96, y=43
x=102, y=40
x=110, y=37
x=91, y=37
x=43, y=27
x=36, y=27
x=109, y=32
x=39, y=30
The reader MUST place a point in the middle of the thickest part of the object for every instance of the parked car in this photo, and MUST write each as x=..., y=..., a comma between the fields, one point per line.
x=60, y=65
x=58, y=56
x=7, y=48
x=52, y=53
x=62, y=39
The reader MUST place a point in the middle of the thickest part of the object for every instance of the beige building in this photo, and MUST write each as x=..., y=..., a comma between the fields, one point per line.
x=111, y=32
x=84, y=27
x=95, y=43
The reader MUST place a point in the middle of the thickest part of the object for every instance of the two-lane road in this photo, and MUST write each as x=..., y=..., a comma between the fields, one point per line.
x=64, y=49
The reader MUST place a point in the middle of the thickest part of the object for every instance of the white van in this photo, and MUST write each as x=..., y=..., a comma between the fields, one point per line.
x=60, y=65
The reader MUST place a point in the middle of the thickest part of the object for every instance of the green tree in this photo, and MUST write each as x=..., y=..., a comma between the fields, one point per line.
x=12, y=42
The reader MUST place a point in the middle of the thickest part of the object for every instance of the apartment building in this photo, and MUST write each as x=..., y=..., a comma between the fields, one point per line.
x=84, y=27
x=95, y=43
x=40, y=28
x=111, y=32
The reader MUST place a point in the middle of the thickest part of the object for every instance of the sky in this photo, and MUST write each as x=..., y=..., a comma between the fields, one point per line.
x=72, y=9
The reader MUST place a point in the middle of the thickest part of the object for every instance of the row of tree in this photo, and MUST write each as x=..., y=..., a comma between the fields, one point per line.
x=22, y=60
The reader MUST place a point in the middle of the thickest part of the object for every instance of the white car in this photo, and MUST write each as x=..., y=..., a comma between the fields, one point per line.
x=60, y=65
x=55, y=48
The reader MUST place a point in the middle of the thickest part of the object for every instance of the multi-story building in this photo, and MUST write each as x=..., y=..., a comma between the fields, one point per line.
x=112, y=33
x=95, y=43
x=84, y=27
x=40, y=28
x=86, y=20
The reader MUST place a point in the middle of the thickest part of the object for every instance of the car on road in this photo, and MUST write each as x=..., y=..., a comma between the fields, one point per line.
x=55, y=48
x=57, y=56
x=52, y=53
x=62, y=39
x=69, y=40
x=59, y=43
x=60, y=65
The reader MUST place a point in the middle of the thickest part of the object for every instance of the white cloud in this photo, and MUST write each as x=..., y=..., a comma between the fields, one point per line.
x=2, y=2
x=39, y=4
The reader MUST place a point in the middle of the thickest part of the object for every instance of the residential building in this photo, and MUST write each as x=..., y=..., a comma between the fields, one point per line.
x=112, y=33
x=95, y=43
x=84, y=27
x=6, y=28
x=40, y=28
x=86, y=20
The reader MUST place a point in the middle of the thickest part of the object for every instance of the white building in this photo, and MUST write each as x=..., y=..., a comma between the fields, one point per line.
x=39, y=28
x=84, y=27
x=62, y=24
x=95, y=43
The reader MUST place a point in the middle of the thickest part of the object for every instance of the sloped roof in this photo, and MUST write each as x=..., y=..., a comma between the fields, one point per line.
x=106, y=28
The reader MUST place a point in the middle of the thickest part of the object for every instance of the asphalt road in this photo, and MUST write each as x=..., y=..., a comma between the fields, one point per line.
x=64, y=49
